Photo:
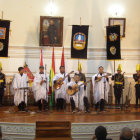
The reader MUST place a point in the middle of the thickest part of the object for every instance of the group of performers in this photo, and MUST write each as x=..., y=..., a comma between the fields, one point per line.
x=67, y=89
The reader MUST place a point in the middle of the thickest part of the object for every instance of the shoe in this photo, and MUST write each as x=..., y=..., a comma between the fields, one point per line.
x=38, y=111
x=73, y=111
x=87, y=111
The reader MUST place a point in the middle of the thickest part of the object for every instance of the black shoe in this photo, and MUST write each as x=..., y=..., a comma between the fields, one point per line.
x=87, y=111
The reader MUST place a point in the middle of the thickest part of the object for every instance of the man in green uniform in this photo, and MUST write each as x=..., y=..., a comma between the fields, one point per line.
x=137, y=89
x=118, y=85
x=2, y=84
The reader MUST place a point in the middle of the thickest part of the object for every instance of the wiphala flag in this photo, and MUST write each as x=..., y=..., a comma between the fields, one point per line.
x=4, y=37
x=113, y=42
x=79, y=41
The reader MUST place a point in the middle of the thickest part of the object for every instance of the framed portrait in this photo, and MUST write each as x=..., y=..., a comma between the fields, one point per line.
x=51, y=31
x=118, y=21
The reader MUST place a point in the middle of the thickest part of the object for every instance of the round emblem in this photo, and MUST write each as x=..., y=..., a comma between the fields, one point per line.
x=113, y=50
x=1, y=46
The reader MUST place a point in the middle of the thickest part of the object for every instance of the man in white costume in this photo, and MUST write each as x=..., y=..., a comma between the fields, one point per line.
x=77, y=100
x=41, y=88
x=19, y=83
x=60, y=94
x=101, y=88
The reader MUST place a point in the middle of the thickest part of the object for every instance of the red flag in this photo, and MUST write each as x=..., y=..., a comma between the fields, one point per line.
x=29, y=74
x=41, y=58
x=63, y=59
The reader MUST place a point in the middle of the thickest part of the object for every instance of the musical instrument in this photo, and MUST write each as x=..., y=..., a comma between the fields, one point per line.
x=99, y=78
x=75, y=88
x=59, y=82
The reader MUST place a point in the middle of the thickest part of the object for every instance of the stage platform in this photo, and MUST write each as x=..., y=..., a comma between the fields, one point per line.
x=21, y=125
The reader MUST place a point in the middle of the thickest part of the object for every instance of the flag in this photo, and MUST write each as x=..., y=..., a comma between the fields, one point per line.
x=4, y=37
x=29, y=74
x=79, y=66
x=52, y=73
x=79, y=41
x=41, y=58
x=63, y=58
x=113, y=42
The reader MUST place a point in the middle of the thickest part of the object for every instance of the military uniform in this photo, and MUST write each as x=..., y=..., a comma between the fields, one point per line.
x=137, y=88
x=2, y=86
x=118, y=87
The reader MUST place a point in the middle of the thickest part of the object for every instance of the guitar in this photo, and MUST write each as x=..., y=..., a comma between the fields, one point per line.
x=75, y=88
x=59, y=82
x=99, y=78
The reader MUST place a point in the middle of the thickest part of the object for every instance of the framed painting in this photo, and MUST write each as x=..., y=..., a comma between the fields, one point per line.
x=51, y=31
x=118, y=21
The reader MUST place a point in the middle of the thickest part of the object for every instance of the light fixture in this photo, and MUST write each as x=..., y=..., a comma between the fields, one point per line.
x=51, y=8
x=116, y=10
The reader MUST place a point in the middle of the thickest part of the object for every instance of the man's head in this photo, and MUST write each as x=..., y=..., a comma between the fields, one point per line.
x=126, y=134
x=51, y=22
x=76, y=77
x=119, y=71
x=62, y=69
x=137, y=133
x=21, y=70
x=101, y=69
x=41, y=69
x=101, y=133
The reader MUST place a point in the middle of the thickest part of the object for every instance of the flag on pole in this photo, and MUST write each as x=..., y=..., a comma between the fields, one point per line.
x=4, y=37
x=29, y=74
x=63, y=59
x=41, y=58
x=52, y=73
x=113, y=42
x=79, y=41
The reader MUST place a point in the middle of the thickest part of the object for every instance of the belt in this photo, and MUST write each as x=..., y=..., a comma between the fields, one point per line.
x=119, y=83
x=1, y=81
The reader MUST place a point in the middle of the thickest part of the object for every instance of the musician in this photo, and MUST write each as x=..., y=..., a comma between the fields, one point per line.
x=60, y=94
x=2, y=85
x=41, y=89
x=118, y=85
x=101, y=88
x=19, y=83
x=82, y=78
x=135, y=77
x=77, y=100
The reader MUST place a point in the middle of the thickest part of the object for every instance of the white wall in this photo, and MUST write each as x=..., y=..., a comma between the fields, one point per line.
x=25, y=17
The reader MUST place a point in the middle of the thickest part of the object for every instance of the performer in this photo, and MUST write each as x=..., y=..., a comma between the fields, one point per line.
x=77, y=100
x=20, y=95
x=82, y=78
x=41, y=88
x=60, y=94
x=135, y=77
x=2, y=84
x=101, y=88
x=118, y=85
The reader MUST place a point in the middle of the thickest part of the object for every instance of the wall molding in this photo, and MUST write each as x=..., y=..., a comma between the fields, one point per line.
x=24, y=131
x=93, y=53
